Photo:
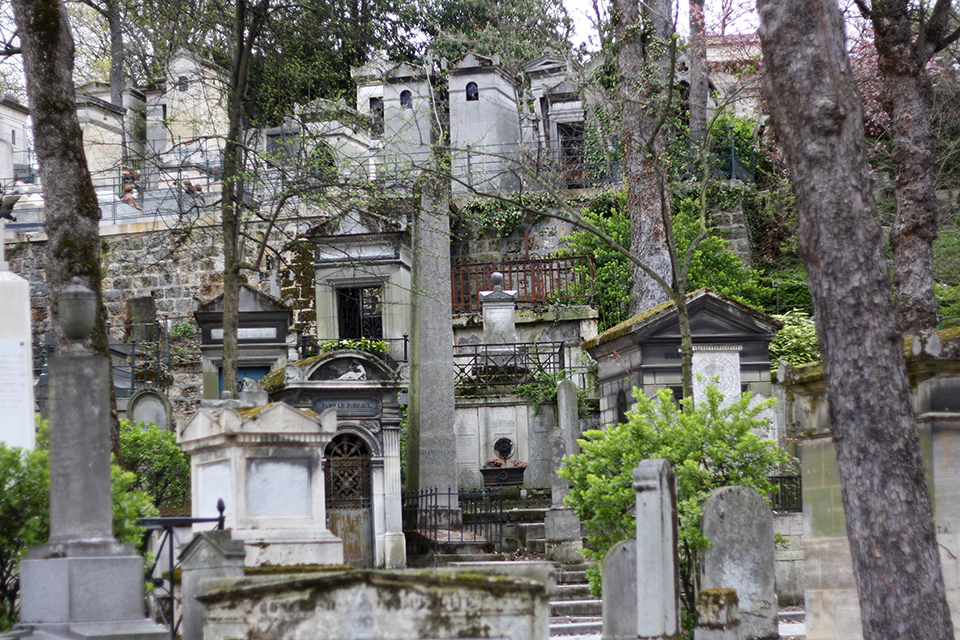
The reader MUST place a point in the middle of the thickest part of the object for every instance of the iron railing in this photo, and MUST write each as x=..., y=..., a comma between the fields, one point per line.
x=164, y=594
x=477, y=367
x=398, y=353
x=433, y=519
x=729, y=156
x=536, y=280
x=788, y=495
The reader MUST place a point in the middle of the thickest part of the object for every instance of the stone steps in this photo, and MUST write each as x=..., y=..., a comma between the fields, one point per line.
x=572, y=610
x=589, y=607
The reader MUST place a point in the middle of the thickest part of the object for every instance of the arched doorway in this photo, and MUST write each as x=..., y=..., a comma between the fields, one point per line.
x=349, y=496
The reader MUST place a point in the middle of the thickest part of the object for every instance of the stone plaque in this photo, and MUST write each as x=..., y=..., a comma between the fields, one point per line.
x=278, y=487
x=16, y=397
x=716, y=361
x=213, y=483
x=248, y=333
x=349, y=407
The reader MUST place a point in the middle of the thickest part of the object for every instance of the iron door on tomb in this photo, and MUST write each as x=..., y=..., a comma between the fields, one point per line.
x=348, y=495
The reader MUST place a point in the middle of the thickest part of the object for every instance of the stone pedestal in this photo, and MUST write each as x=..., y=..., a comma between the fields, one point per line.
x=82, y=583
x=210, y=558
x=563, y=537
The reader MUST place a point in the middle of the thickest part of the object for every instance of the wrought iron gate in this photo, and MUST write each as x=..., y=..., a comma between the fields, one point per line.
x=349, y=497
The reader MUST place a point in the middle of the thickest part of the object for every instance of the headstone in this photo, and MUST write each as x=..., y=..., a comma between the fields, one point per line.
x=620, y=592
x=561, y=527
x=499, y=308
x=717, y=615
x=431, y=436
x=717, y=364
x=82, y=579
x=17, y=428
x=658, y=610
x=149, y=405
x=143, y=319
x=738, y=523
x=211, y=557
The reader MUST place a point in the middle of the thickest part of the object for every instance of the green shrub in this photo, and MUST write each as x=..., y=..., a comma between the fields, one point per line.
x=709, y=446
x=182, y=330
x=157, y=464
x=25, y=513
x=361, y=344
x=797, y=341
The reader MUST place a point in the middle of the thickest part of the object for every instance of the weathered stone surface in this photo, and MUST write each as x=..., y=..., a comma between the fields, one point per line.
x=717, y=615
x=16, y=359
x=620, y=592
x=210, y=557
x=738, y=523
x=367, y=605
x=658, y=601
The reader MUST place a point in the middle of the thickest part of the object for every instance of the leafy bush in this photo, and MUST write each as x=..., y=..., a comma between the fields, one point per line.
x=182, y=331
x=797, y=341
x=709, y=446
x=158, y=466
x=25, y=513
x=361, y=344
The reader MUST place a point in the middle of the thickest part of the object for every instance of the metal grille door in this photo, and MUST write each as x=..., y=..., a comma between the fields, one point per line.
x=348, y=495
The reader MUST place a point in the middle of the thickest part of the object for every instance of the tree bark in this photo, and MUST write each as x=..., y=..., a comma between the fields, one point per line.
x=697, y=102
x=70, y=202
x=908, y=100
x=645, y=38
x=817, y=114
x=245, y=37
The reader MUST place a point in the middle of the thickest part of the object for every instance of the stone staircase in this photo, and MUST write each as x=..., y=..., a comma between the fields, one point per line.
x=572, y=610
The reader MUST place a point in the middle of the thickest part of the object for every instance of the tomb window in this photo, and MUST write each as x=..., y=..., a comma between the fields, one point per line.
x=473, y=92
x=406, y=99
x=376, y=116
x=183, y=83
x=360, y=312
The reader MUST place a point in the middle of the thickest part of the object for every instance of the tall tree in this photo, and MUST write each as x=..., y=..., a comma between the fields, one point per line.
x=643, y=33
x=818, y=116
x=70, y=202
x=906, y=37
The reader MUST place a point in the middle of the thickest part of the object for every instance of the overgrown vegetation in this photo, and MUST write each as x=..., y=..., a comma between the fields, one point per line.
x=709, y=446
x=543, y=390
x=368, y=345
x=503, y=217
x=158, y=465
x=796, y=342
x=25, y=513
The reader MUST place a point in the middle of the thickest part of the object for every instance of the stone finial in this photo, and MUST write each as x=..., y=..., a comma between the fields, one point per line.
x=77, y=307
x=497, y=279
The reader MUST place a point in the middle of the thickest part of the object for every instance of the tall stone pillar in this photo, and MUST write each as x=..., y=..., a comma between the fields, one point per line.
x=17, y=429
x=658, y=610
x=431, y=435
x=562, y=528
x=82, y=581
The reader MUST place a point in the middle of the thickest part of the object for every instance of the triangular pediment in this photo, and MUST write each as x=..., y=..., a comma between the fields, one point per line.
x=251, y=301
x=547, y=63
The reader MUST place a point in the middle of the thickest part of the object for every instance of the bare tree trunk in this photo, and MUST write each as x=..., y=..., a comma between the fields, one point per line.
x=908, y=100
x=697, y=101
x=645, y=46
x=817, y=114
x=245, y=37
x=112, y=14
x=70, y=202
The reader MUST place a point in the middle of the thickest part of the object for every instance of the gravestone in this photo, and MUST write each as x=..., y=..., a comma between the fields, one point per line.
x=82, y=582
x=210, y=557
x=143, y=319
x=739, y=524
x=431, y=436
x=499, y=308
x=620, y=591
x=149, y=405
x=658, y=611
x=17, y=429
x=561, y=526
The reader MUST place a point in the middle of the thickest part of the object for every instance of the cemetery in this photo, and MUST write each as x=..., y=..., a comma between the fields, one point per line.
x=410, y=388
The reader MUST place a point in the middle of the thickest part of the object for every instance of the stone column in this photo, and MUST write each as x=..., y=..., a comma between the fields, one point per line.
x=17, y=429
x=561, y=526
x=431, y=435
x=394, y=547
x=658, y=611
x=83, y=579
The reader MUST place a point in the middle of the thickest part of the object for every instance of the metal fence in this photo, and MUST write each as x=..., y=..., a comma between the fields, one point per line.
x=788, y=495
x=480, y=366
x=536, y=280
x=164, y=595
x=730, y=156
x=398, y=353
x=433, y=519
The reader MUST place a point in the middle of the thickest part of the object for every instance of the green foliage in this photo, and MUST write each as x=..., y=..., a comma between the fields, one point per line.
x=946, y=267
x=25, y=513
x=543, y=390
x=182, y=331
x=361, y=344
x=709, y=446
x=797, y=341
x=155, y=463
x=505, y=217
x=713, y=264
